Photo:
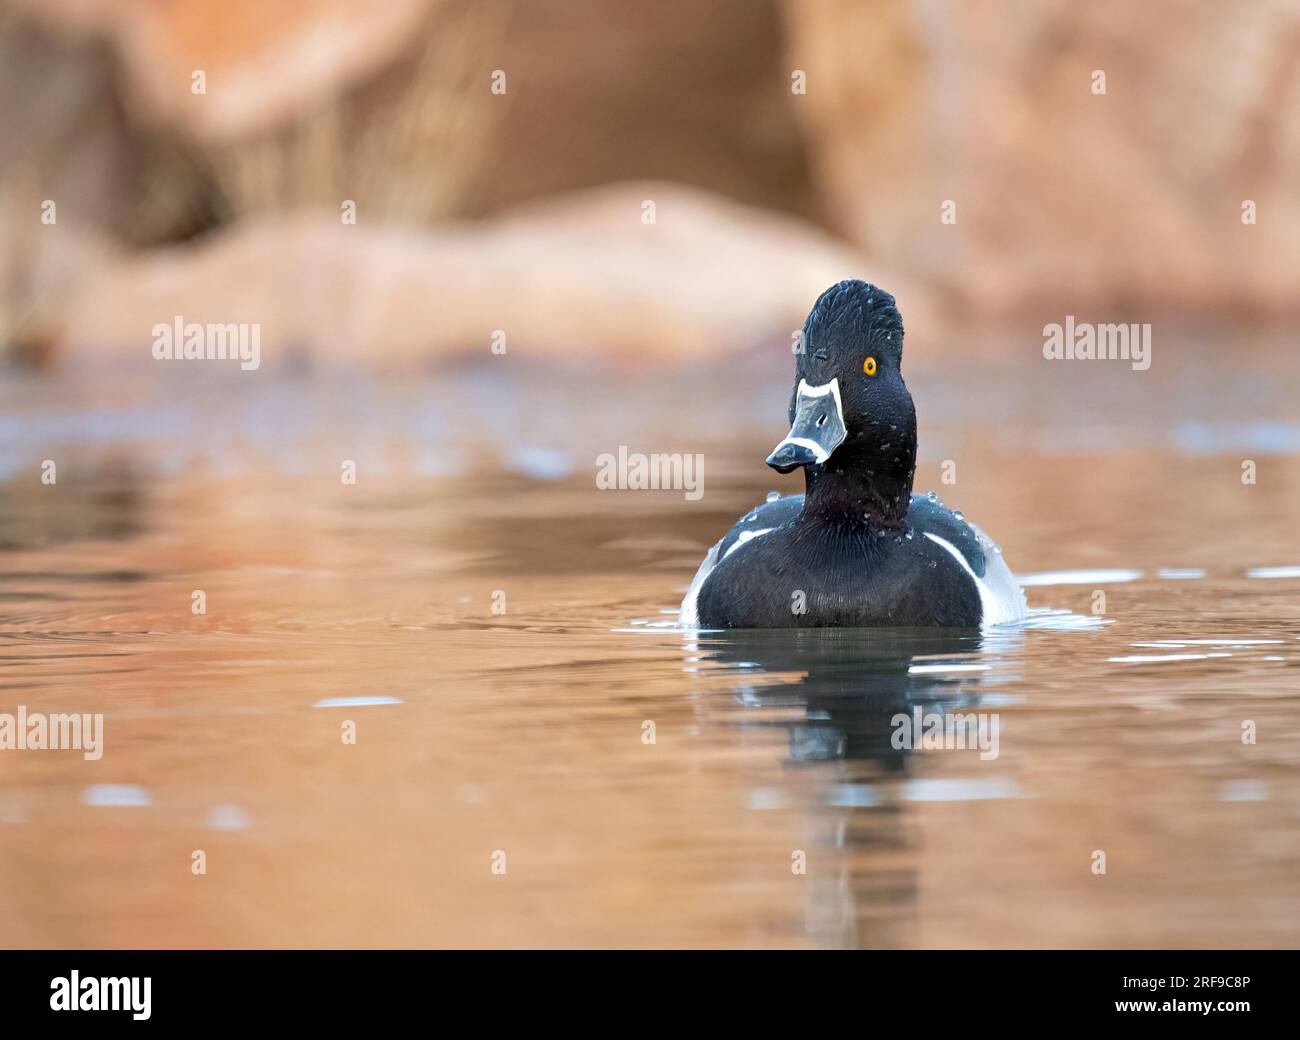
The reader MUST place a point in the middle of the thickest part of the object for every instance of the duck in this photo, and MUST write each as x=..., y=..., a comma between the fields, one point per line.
x=859, y=548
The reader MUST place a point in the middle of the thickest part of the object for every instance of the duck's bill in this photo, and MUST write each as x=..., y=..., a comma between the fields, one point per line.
x=817, y=431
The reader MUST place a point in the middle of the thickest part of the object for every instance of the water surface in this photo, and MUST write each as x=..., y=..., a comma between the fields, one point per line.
x=498, y=635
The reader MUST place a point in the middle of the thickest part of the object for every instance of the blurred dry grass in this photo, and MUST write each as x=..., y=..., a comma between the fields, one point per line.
x=1065, y=200
x=408, y=144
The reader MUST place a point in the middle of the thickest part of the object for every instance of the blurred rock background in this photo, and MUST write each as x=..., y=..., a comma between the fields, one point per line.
x=523, y=211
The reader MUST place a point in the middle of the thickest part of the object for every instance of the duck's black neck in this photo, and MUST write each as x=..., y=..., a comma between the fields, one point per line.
x=864, y=483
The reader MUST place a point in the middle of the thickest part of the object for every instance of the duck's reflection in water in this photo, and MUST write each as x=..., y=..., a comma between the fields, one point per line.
x=852, y=686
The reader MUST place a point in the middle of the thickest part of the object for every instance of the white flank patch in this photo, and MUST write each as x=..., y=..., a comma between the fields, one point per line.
x=1001, y=598
x=688, y=615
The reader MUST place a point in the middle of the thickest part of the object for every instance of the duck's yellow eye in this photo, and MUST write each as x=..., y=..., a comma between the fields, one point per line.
x=869, y=366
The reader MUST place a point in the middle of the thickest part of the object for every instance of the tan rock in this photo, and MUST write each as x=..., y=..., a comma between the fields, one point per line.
x=578, y=274
x=1064, y=197
x=309, y=101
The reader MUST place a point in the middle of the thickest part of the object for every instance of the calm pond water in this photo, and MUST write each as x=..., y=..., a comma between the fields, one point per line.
x=772, y=808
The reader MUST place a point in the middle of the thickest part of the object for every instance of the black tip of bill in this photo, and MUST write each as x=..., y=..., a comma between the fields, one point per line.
x=788, y=457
